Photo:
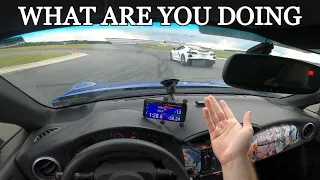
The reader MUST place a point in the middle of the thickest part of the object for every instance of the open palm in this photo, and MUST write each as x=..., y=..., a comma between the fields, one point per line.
x=229, y=139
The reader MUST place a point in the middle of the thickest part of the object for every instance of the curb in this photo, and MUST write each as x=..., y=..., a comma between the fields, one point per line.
x=41, y=63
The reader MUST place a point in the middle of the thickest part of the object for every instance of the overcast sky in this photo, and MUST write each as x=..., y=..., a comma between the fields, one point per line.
x=185, y=34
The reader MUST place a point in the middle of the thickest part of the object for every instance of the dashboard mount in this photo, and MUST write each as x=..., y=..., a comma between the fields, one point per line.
x=170, y=85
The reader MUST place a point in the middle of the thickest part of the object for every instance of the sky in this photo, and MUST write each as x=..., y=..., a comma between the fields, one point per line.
x=186, y=34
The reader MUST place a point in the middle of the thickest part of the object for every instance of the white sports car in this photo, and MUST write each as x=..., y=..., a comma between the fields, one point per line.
x=188, y=54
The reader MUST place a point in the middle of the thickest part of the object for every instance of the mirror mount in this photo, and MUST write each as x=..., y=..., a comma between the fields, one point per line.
x=262, y=48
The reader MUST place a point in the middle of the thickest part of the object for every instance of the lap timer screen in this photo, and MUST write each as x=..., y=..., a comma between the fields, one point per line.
x=165, y=112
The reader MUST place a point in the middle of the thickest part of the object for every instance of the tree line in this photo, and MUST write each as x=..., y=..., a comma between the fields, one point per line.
x=24, y=44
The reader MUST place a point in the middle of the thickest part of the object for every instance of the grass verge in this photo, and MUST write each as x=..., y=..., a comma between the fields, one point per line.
x=169, y=48
x=224, y=54
x=219, y=53
x=46, y=47
x=18, y=59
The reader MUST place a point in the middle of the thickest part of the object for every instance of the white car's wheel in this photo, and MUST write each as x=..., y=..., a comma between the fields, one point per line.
x=183, y=61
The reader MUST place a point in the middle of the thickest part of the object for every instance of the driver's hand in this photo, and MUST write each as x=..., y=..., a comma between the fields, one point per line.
x=229, y=139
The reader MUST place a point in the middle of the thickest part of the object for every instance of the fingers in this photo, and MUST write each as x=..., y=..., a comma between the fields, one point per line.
x=227, y=111
x=217, y=108
x=247, y=120
x=212, y=113
x=208, y=120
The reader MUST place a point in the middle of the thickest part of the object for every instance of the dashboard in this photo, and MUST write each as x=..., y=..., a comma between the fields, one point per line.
x=76, y=128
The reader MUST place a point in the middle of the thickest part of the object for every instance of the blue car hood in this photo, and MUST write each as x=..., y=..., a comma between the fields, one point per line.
x=88, y=87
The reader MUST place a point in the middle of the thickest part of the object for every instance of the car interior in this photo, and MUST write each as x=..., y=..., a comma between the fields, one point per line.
x=113, y=139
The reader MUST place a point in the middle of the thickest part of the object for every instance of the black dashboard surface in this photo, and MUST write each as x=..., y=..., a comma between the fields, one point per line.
x=75, y=124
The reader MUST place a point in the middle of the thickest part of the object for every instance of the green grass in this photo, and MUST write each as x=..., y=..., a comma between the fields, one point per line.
x=219, y=53
x=18, y=59
x=169, y=48
x=207, y=49
x=46, y=47
x=224, y=54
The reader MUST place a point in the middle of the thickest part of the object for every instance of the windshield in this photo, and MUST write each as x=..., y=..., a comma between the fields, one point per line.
x=51, y=64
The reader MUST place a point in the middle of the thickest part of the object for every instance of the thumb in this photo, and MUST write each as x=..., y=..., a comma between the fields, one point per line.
x=247, y=119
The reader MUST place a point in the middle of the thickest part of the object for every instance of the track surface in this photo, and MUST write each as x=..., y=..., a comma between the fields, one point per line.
x=106, y=63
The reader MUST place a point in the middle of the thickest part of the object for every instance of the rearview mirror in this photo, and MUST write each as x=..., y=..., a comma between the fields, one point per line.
x=271, y=74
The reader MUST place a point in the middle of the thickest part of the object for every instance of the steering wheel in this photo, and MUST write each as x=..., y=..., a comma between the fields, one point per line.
x=151, y=150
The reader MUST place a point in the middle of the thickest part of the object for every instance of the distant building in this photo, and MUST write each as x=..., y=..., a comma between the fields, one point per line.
x=141, y=41
x=11, y=42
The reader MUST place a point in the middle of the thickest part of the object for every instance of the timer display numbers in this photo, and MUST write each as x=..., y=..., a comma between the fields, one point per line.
x=162, y=111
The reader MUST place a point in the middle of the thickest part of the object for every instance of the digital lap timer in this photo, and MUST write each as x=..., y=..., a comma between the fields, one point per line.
x=167, y=111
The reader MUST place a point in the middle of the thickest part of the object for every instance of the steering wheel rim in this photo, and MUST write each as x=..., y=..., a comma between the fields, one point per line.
x=116, y=145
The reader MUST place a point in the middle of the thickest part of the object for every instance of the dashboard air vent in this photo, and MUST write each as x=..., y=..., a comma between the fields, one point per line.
x=44, y=133
x=308, y=131
x=45, y=168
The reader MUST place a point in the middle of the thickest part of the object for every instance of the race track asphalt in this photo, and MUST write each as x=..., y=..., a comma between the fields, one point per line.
x=107, y=63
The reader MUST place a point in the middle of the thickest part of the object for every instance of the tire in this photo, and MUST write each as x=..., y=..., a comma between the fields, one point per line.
x=183, y=61
x=210, y=63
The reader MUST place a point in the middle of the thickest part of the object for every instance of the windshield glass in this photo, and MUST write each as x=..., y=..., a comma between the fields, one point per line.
x=51, y=64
